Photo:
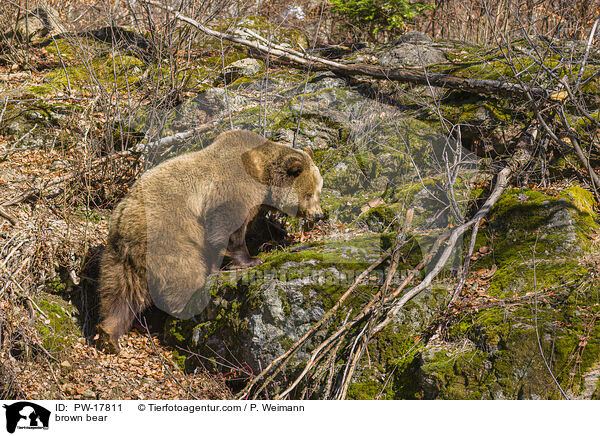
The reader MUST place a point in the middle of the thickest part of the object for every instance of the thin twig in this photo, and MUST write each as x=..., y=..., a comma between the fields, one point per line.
x=8, y=217
x=281, y=359
x=485, y=86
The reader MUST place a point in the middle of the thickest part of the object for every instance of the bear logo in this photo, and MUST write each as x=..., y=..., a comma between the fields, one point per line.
x=25, y=414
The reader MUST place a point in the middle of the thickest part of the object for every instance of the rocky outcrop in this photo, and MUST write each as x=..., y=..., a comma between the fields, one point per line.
x=414, y=48
x=378, y=163
x=528, y=309
x=528, y=314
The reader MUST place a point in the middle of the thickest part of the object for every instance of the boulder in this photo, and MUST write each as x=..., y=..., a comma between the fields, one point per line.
x=247, y=67
x=36, y=25
x=534, y=328
x=413, y=48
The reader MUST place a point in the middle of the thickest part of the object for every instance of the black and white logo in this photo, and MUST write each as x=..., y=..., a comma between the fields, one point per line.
x=26, y=415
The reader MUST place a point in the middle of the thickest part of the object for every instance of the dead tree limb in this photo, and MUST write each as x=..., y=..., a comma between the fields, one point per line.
x=8, y=217
x=420, y=77
x=393, y=303
x=169, y=141
x=277, y=363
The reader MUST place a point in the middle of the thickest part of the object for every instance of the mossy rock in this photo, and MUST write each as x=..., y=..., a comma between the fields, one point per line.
x=505, y=352
x=531, y=226
x=116, y=73
x=36, y=122
x=57, y=325
x=255, y=315
x=542, y=311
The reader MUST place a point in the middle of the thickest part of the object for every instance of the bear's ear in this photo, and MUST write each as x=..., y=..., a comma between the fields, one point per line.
x=309, y=152
x=294, y=166
x=253, y=161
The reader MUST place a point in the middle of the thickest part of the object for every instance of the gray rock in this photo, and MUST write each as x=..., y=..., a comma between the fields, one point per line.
x=413, y=37
x=37, y=24
x=405, y=54
x=247, y=67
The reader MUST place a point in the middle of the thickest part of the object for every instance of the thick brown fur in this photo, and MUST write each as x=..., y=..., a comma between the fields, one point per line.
x=182, y=216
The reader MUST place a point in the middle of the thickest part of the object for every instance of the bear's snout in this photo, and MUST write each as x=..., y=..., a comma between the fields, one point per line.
x=314, y=215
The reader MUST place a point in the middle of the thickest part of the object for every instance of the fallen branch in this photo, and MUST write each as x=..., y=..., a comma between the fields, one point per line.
x=168, y=141
x=8, y=217
x=295, y=58
x=276, y=364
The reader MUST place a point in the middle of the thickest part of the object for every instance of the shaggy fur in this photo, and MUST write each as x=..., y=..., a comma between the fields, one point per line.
x=182, y=216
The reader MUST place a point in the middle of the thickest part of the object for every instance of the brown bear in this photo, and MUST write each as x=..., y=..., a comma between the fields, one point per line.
x=181, y=217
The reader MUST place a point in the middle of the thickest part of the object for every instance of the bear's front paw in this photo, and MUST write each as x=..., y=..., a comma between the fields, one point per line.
x=254, y=261
x=246, y=262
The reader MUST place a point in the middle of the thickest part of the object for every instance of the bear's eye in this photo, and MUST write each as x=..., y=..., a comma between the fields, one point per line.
x=308, y=196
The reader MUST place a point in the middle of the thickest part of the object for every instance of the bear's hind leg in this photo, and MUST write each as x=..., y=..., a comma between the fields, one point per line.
x=123, y=295
x=116, y=323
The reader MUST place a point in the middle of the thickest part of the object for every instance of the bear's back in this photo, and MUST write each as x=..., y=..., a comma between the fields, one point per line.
x=222, y=156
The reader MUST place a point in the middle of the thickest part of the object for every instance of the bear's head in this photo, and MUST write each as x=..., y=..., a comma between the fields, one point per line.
x=293, y=180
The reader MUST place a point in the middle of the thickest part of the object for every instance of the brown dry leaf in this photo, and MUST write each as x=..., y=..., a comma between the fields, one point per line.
x=559, y=95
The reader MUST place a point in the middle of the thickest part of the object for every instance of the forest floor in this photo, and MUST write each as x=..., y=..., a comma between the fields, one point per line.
x=145, y=368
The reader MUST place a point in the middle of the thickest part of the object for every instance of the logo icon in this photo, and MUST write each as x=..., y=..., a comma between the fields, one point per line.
x=26, y=415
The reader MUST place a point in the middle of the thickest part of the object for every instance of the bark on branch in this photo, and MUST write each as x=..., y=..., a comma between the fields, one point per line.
x=420, y=77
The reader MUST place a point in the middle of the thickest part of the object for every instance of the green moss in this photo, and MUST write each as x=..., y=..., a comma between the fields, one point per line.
x=178, y=334
x=196, y=78
x=179, y=359
x=67, y=50
x=57, y=285
x=218, y=61
x=117, y=72
x=287, y=310
x=530, y=224
x=382, y=218
x=285, y=342
x=178, y=331
x=582, y=199
x=239, y=83
x=388, y=373
x=366, y=390
x=57, y=328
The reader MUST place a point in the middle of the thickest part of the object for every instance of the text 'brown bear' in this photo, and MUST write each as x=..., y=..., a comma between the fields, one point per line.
x=181, y=217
